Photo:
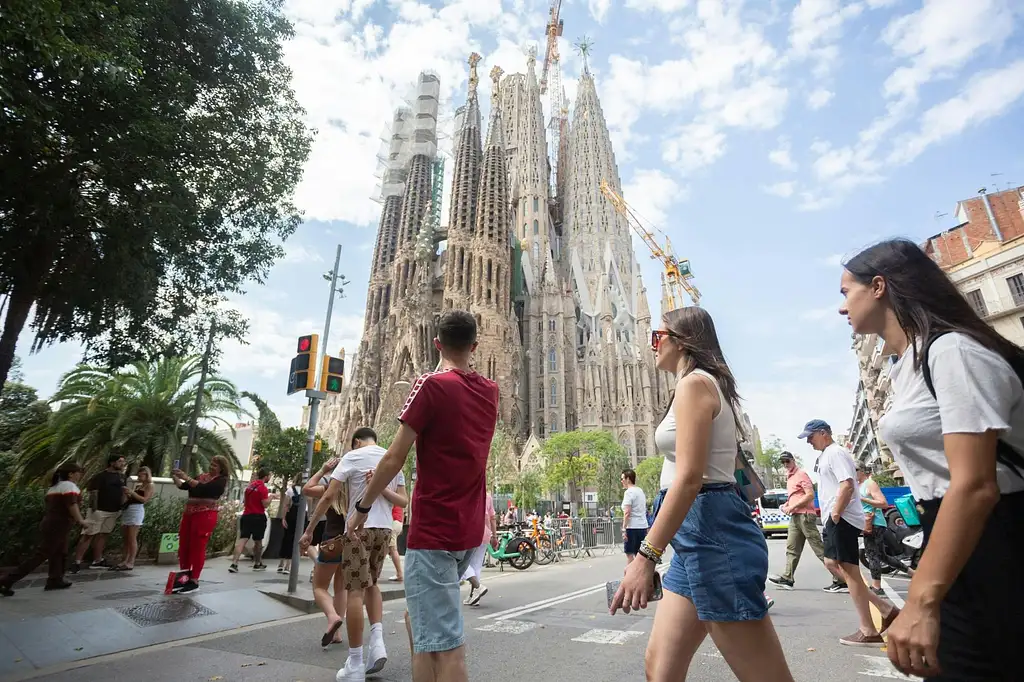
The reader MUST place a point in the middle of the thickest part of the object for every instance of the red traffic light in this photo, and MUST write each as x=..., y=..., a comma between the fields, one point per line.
x=305, y=343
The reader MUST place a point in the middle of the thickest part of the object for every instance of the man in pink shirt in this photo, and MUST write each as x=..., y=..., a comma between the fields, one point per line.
x=803, y=522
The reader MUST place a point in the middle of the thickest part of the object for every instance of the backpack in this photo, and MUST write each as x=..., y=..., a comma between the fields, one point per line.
x=296, y=494
x=1006, y=454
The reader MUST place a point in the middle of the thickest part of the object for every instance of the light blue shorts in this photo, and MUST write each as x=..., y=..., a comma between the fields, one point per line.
x=433, y=599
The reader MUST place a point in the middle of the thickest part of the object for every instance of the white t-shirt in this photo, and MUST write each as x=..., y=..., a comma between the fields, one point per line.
x=835, y=465
x=635, y=499
x=353, y=468
x=976, y=390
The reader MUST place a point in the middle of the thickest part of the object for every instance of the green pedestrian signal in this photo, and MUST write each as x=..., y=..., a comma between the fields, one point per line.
x=332, y=373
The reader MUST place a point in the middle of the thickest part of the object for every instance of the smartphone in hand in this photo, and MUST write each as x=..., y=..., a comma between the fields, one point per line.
x=613, y=586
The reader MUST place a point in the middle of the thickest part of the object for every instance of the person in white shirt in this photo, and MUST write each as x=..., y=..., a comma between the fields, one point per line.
x=634, y=515
x=956, y=429
x=844, y=520
x=362, y=556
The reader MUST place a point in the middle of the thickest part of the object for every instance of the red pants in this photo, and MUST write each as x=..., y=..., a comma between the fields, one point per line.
x=193, y=536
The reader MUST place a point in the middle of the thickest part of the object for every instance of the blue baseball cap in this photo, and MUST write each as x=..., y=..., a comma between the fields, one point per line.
x=813, y=426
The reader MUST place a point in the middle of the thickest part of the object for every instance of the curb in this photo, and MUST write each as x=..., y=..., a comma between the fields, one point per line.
x=303, y=599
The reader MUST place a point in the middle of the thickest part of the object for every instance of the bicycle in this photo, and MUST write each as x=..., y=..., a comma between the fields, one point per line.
x=519, y=552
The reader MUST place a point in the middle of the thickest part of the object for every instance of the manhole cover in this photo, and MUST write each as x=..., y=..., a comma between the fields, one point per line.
x=270, y=581
x=163, y=612
x=128, y=594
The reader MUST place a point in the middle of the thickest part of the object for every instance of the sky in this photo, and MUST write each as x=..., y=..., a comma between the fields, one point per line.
x=769, y=139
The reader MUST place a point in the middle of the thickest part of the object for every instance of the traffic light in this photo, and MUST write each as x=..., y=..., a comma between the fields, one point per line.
x=302, y=372
x=332, y=374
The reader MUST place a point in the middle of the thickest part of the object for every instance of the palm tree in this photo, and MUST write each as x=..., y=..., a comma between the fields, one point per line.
x=142, y=411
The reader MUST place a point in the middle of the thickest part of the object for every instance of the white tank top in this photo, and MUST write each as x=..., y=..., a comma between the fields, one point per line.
x=721, y=466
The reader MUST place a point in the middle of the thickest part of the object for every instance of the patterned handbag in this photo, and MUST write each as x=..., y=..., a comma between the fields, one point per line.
x=331, y=550
x=750, y=484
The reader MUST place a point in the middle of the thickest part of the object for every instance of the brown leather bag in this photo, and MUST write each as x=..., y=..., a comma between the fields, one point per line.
x=330, y=550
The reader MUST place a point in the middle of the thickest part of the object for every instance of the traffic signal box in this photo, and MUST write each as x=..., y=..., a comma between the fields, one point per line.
x=332, y=375
x=303, y=371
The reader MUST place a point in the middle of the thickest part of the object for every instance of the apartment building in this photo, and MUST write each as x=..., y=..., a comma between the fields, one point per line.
x=874, y=362
x=984, y=256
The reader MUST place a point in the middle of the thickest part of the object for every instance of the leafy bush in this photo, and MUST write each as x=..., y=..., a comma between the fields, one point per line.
x=21, y=510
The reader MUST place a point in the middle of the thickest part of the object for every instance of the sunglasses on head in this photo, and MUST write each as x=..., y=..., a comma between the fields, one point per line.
x=658, y=334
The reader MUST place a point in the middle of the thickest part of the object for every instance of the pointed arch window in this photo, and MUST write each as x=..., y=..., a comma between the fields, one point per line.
x=536, y=253
x=540, y=427
x=554, y=393
x=540, y=397
x=536, y=226
x=536, y=204
x=552, y=360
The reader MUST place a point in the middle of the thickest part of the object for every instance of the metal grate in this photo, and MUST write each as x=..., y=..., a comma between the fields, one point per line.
x=166, y=611
x=127, y=594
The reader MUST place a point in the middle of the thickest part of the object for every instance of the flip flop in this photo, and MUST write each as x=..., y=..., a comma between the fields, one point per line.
x=325, y=641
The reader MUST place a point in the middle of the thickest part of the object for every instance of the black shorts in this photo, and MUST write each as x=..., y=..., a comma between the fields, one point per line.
x=252, y=526
x=840, y=541
x=634, y=538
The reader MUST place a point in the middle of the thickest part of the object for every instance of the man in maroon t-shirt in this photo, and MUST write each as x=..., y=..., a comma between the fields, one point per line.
x=450, y=415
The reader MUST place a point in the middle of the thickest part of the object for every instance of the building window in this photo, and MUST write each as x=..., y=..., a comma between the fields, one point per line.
x=977, y=302
x=536, y=253
x=536, y=227
x=554, y=394
x=641, y=448
x=536, y=204
x=553, y=421
x=540, y=427
x=552, y=360
x=551, y=325
x=540, y=397
x=1016, y=288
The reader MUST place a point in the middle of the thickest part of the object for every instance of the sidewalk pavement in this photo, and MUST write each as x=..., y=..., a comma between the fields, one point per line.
x=107, y=612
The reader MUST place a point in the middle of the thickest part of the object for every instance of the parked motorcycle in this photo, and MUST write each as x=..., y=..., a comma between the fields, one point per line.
x=901, y=539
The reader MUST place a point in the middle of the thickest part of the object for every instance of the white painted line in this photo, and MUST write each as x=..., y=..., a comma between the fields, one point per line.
x=569, y=595
x=712, y=654
x=893, y=595
x=607, y=636
x=555, y=602
x=881, y=667
x=508, y=627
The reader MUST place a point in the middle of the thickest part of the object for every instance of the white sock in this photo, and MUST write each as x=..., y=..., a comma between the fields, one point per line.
x=355, y=656
x=376, y=630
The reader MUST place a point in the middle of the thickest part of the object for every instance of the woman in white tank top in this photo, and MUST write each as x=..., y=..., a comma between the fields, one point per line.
x=715, y=583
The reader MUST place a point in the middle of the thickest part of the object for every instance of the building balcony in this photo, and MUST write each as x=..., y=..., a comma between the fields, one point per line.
x=992, y=307
x=879, y=353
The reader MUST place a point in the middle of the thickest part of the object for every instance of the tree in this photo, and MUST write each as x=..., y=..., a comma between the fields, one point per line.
x=385, y=436
x=501, y=463
x=142, y=411
x=571, y=459
x=283, y=452
x=611, y=463
x=20, y=410
x=527, y=488
x=885, y=480
x=148, y=153
x=768, y=462
x=648, y=476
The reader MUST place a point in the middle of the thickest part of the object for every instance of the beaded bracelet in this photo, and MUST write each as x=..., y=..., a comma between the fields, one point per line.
x=650, y=552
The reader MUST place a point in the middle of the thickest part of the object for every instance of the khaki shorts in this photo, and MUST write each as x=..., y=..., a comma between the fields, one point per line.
x=396, y=530
x=363, y=559
x=100, y=522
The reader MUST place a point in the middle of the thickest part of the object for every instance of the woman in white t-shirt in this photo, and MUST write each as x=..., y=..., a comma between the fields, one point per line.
x=958, y=442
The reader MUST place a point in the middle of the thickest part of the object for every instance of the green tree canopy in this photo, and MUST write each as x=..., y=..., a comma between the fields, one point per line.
x=572, y=459
x=526, y=489
x=283, y=452
x=143, y=411
x=501, y=461
x=20, y=410
x=648, y=476
x=768, y=462
x=148, y=153
x=611, y=461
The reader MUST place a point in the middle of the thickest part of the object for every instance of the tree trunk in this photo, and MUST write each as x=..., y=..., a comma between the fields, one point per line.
x=19, y=301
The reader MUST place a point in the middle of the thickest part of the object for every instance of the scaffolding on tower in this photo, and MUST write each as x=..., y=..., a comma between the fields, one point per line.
x=557, y=104
x=676, y=278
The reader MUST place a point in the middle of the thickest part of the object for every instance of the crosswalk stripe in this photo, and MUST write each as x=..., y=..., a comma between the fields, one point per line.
x=881, y=667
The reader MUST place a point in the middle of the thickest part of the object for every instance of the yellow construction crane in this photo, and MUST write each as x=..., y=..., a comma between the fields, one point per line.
x=677, y=272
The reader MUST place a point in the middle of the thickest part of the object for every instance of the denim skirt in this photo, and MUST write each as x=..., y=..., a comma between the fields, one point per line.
x=720, y=560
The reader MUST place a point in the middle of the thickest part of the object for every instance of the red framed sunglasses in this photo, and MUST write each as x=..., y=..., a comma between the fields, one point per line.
x=658, y=334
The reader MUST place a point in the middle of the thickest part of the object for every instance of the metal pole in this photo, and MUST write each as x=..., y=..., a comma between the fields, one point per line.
x=186, y=454
x=314, y=410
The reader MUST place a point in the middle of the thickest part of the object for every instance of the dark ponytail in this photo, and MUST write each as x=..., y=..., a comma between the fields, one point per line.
x=64, y=472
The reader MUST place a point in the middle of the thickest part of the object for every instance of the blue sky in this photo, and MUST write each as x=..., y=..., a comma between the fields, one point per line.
x=767, y=138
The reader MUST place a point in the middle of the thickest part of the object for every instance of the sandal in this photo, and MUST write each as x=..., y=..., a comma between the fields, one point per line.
x=326, y=640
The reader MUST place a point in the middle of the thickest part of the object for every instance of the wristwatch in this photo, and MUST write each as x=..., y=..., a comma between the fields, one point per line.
x=361, y=509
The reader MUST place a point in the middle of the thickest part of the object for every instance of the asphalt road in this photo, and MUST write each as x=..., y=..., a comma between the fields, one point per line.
x=547, y=623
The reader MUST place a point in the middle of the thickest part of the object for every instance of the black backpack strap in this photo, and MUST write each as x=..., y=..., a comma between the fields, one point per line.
x=1005, y=453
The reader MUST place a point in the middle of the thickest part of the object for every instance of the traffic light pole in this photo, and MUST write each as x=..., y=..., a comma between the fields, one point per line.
x=314, y=410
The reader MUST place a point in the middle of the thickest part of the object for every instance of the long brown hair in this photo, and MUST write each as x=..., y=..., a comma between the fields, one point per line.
x=694, y=330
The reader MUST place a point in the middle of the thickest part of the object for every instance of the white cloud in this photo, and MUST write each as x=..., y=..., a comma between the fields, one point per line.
x=598, y=9
x=985, y=97
x=811, y=201
x=666, y=6
x=819, y=98
x=651, y=193
x=781, y=189
x=296, y=254
x=694, y=146
x=781, y=156
x=815, y=29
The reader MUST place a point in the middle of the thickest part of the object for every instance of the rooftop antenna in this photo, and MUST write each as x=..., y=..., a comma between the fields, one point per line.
x=584, y=46
x=939, y=216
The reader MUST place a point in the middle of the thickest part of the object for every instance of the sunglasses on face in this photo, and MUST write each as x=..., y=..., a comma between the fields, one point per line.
x=658, y=335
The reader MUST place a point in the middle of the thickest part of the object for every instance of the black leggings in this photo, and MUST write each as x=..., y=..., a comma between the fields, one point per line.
x=875, y=552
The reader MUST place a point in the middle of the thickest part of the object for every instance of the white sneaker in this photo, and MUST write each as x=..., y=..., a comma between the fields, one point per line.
x=474, y=599
x=469, y=600
x=376, y=656
x=351, y=673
